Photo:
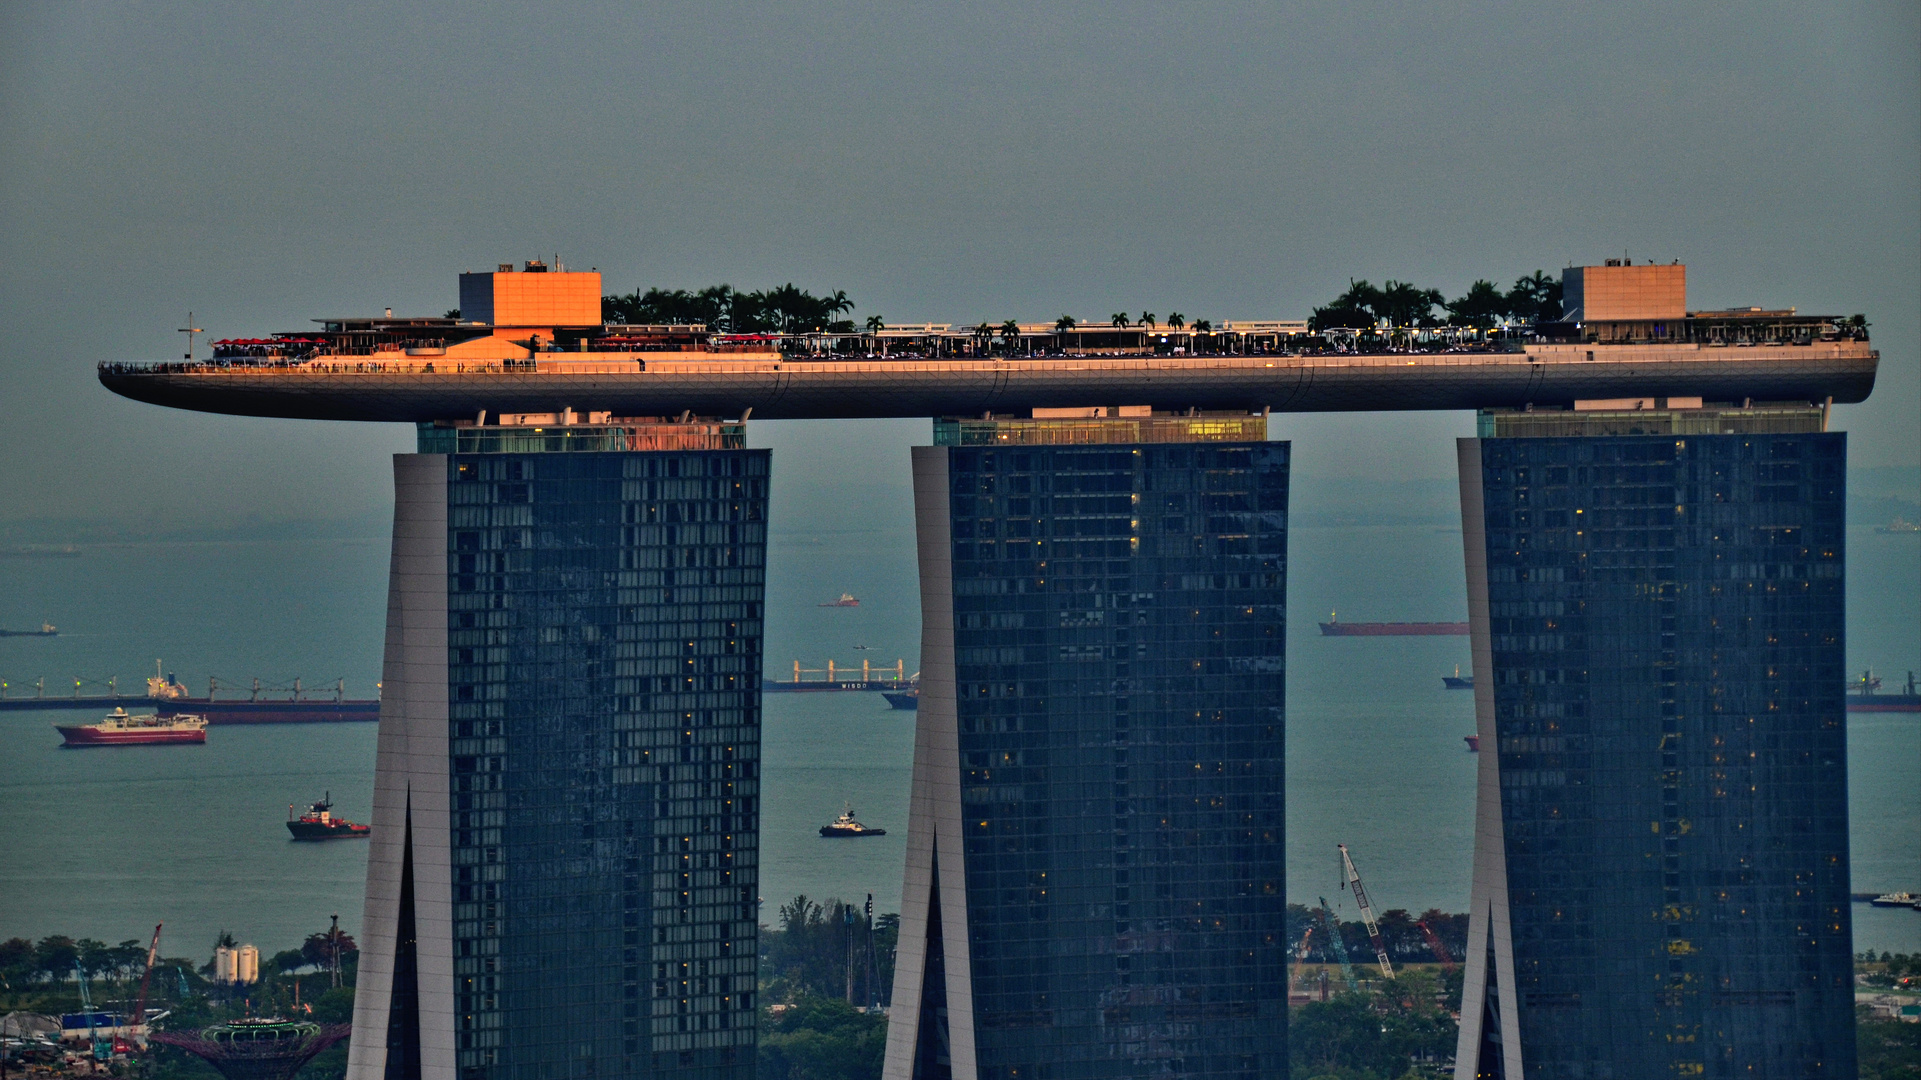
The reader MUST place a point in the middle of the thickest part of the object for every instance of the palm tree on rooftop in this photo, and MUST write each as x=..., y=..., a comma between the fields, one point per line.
x=1119, y=318
x=1175, y=320
x=1147, y=320
x=875, y=325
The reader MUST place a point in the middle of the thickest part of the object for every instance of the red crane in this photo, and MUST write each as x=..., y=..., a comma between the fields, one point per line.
x=1434, y=943
x=153, y=948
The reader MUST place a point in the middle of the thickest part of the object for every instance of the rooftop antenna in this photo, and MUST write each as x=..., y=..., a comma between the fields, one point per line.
x=190, y=330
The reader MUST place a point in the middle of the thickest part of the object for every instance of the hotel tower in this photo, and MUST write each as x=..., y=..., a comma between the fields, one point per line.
x=1095, y=872
x=565, y=811
x=1661, y=841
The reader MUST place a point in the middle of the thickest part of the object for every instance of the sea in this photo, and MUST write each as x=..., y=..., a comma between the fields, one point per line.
x=107, y=843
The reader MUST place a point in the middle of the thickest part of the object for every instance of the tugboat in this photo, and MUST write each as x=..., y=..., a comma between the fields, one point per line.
x=319, y=823
x=846, y=826
x=121, y=728
x=846, y=600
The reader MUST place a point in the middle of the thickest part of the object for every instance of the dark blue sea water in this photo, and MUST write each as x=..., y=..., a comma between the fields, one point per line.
x=105, y=843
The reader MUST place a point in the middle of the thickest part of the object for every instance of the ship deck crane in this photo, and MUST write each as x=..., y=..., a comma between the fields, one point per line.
x=1367, y=912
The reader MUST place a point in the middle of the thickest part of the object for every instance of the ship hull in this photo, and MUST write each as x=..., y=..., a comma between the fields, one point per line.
x=303, y=830
x=274, y=712
x=849, y=834
x=910, y=702
x=1458, y=682
x=88, y=736
x=1394, y=629
x=1885, y=703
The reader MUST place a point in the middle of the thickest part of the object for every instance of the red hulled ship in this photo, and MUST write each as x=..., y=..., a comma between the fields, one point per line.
x=121, y=728
x=319, y=823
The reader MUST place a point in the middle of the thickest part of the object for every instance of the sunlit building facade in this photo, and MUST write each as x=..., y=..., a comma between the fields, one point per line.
x=1661, y=863
x=563, y=874
x=1094, y=884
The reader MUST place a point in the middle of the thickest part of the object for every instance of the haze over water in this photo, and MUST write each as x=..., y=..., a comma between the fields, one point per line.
x=105, y=843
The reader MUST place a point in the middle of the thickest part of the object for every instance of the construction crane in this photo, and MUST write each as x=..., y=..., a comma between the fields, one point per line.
x=102, y=1048
x=1300, y=951
x=1367, y=912
x=1434, y=943
x=1340, y=946
x=153, y=949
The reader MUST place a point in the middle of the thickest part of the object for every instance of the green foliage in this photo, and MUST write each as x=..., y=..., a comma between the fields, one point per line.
x=816, y=944
x=1481, y=307
x=1534, y=298
x=1386, y=1031
x=783, y=310
x=816, y=1038
x=1888, y=1049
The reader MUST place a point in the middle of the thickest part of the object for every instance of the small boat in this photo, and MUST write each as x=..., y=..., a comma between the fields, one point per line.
x=846, y=600
x=1473, y=743
x=1895, y=899
x=1898, y=527
x=1457, y=681
x=846, y=826
x=903, y=699
x=319, y=823
x=121, y=728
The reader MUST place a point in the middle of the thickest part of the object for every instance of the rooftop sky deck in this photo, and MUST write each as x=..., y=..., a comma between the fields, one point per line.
x=778, y=386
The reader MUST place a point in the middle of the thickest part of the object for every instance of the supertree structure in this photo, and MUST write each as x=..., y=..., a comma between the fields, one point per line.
x=263, y=1048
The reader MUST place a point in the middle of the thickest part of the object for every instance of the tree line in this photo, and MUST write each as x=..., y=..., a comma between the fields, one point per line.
x=1400, y=934
x=726, y=310
x=1535, y=298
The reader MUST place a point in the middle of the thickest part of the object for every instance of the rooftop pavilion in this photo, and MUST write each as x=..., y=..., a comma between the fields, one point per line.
x=533, y=341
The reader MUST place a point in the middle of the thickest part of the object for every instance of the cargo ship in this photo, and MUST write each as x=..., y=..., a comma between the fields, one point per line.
x=171, y=698
x=1335, y=628
x=302, y=711
x=1864, y=695
x=319, y=823
x=121, y=728
x=46, y=630
x=1458, y=681
x=845, y=826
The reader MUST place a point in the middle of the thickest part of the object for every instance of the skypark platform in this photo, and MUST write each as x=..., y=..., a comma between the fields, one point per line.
x=775, y=386
x=535, y=342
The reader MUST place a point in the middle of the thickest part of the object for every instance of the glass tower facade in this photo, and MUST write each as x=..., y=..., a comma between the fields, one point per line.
x=593, y=835
x=1661, y=881
x=1095, y=880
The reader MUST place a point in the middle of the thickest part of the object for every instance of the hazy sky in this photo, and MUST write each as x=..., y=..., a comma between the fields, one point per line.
x=266, y=164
